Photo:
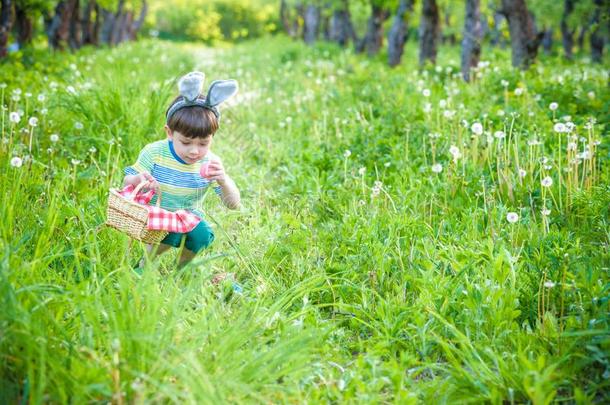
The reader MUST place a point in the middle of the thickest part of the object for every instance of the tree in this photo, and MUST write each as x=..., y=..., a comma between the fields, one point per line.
x=471, y=42
x=373, y=39
x=596, y=40
x=567, y=33
x=523, y=37
x=5, y=25
x=311, y=23
x=429, y=30
x=398, y=32
x=341, y=29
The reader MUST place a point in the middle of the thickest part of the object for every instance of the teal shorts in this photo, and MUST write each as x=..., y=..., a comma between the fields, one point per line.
x=199, y=238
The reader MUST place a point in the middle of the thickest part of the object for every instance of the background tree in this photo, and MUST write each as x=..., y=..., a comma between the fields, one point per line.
x=567, y=32
x=471, y=41
x=523, y=37
x=397, y=35
x=599, y=29
x=373, y=38
x=429, y=30
x=5, y=25
x=311, y=23
x=341, y=29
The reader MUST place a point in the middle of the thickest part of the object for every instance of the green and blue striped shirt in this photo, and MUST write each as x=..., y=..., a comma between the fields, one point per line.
x=182, y=187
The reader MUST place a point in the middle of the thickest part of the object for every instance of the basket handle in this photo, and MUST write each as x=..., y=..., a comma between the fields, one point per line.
x=137, y=190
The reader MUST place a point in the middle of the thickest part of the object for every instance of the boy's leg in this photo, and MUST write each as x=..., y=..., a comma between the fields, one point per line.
x=196, y=240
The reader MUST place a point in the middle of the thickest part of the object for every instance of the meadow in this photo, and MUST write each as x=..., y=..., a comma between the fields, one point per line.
x=405, y=237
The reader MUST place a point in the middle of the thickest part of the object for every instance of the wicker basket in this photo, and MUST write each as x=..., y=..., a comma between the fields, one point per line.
x=130, y=217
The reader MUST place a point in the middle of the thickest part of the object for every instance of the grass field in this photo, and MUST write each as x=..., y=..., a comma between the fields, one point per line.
x=405, y=237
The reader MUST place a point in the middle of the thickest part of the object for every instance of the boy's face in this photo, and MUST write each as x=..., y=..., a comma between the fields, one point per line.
x=189, y=149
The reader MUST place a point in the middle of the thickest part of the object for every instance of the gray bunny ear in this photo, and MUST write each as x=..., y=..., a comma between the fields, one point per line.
x=190, y=85
x=220, y=91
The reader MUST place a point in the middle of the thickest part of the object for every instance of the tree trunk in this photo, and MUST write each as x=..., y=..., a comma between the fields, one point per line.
x=547, y=40
x=126, y=26
x=341, y=29
x=373, y=39
x=87, y=23
x=5, y=25
x=398, y=32
x=471, y=43
x=284, y=19
x=137, y=24
x=596, y=39
x=581, y=37
x=496, y=34
x=108, y=19
x=311, y=24
x=523, y=38
x=429, y=30
x=97, y=26
x=24, y=26
x=567, y=34
x=75, y=39
x=59, y=28
x=116, y=25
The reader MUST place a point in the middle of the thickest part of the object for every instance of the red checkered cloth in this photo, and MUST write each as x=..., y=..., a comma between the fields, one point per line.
x=160, y=219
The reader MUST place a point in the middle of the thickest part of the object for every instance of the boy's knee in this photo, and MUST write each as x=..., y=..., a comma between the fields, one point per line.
x=200, y=238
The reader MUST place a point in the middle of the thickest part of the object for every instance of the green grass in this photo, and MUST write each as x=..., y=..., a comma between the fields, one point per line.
x=367, y=276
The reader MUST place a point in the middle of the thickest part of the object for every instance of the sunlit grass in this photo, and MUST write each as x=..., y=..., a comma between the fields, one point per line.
x=411, y=238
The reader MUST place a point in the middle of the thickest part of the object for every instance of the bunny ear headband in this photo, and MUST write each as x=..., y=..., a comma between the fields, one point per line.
x=190, y=87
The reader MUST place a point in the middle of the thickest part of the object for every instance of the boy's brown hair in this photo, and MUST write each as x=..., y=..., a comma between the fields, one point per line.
x=193, y=121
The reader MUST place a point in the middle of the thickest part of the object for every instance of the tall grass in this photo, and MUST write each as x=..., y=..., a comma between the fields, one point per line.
x=405, y=237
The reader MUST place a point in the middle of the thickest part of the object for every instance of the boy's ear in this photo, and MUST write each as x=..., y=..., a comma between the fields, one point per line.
x=168, y=131
x=220, y=91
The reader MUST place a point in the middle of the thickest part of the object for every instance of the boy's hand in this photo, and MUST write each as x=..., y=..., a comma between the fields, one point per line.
x=136, y=179
x=216, y=171
x=149, y=179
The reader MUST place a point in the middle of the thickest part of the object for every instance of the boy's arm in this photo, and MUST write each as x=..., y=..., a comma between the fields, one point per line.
x=229, y=193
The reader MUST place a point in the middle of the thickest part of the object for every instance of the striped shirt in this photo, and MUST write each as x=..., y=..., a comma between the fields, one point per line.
x=182, y=187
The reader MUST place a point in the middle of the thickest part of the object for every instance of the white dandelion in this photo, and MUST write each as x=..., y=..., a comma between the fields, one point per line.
x=16, y=162
x=426, y=92
x=560, y=127
x=14, y=117
x=54, y=138
x=553, y=106
x=500, y=134
x=347, y=153
x=476, y=128
x=361, y=171
x=33, y=121
x=522, y=173
x=546, y=212
x=547, y=181
x=512, y=217
x=437, y=168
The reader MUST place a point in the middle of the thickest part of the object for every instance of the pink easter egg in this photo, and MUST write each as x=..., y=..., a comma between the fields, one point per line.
x=204, y=171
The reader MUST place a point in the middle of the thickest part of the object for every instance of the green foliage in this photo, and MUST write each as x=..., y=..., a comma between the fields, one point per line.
x=211, y=21
x=368, y=277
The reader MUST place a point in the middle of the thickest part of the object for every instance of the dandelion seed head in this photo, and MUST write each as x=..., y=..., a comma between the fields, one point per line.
x=54, y=138
x=16, y=162
x=500, y=134
x=437, y=168
x=518, y=91
x=546, y=212
x=14, y=117
x=560, y=127
x=361, y=171
x=347, y=153
x=549, y=284
x=553, y=106
x=547, y=181
x=591, y=95
x=426, y=92
x=476, y=128
x=512, y=217
x=33, y=121
x=522, y=173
